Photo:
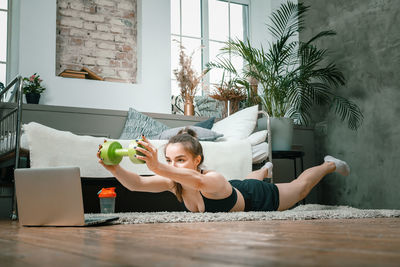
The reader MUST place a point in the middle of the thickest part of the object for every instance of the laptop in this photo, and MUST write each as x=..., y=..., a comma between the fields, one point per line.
x=52, y=197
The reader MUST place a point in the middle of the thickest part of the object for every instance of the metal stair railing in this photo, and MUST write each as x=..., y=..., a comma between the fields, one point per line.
x=269, y=137
x=10, y=126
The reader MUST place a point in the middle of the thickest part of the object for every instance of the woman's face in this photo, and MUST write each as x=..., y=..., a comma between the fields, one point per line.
x=177, y=156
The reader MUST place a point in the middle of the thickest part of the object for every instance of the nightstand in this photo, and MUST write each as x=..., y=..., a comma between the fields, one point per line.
x=293, y=155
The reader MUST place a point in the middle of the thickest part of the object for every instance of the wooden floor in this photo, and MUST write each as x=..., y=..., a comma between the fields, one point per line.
x=355, y=242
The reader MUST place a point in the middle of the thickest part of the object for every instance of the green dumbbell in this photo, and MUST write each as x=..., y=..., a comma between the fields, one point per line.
x=112, y=153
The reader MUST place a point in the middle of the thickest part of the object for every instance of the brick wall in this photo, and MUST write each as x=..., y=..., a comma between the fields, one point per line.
x=97, y=34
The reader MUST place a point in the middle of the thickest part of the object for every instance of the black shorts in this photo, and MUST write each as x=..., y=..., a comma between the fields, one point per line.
x=258, y=195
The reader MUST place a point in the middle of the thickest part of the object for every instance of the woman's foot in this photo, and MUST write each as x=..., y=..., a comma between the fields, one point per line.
x=341, y=166
x=269, y=167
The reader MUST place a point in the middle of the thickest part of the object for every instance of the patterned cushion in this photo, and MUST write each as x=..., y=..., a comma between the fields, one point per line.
x=203, y=106
x=137, y=124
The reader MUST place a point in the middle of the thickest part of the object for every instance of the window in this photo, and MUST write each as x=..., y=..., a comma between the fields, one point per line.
x=3, y=39
x=202, y=27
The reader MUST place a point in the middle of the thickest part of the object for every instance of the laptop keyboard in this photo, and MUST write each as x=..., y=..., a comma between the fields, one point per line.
x=99, y=219
x=92, y=219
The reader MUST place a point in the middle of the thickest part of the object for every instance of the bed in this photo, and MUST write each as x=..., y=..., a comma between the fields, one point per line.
x=37, y=145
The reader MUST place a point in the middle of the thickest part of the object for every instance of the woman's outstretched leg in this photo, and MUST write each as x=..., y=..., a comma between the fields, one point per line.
x=264, y=172
x=298, y=189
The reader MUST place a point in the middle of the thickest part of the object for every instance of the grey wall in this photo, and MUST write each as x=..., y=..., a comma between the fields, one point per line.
x=367, y=49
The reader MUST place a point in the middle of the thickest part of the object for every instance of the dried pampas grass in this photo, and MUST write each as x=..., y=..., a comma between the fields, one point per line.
x=188, y=79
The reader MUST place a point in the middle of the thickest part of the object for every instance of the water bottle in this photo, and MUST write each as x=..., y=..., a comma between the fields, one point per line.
x=107, y=200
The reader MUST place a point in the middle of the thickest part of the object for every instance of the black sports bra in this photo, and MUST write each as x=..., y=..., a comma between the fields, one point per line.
x=218, y=205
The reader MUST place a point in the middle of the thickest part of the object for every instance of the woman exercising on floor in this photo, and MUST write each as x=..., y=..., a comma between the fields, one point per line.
x=208, y=191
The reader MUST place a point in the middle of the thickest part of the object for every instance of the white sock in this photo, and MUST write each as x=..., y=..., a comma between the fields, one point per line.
x=341, y=166
x=268, y=166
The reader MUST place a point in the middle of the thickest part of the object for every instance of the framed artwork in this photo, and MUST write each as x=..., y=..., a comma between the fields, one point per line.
x=97, y=40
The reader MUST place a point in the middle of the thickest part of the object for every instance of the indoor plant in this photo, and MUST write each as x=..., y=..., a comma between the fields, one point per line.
x=293, y=75
x=231, y=93
x=188, y=80
x=32, y=88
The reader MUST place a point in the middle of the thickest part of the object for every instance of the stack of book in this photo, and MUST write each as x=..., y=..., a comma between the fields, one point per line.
x=84, y=73
x=73, y=74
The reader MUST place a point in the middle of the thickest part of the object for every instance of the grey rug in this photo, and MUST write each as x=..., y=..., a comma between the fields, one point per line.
x=302, y=212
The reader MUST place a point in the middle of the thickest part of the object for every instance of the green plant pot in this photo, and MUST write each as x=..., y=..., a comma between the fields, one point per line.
x=282, y=134
x=32, y=98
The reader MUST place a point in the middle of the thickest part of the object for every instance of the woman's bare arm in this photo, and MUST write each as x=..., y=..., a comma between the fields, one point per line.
x=135, y=182
x=212, y=182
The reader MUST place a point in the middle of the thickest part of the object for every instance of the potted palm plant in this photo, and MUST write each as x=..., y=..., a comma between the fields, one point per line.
x=292, y=74
x=32, y=88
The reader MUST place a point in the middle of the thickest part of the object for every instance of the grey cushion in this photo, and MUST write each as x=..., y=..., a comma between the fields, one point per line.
x=137, y=124
x=203, y=134
x=208, y=124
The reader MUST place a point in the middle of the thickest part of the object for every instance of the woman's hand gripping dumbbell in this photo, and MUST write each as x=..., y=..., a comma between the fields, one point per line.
x=111, y=152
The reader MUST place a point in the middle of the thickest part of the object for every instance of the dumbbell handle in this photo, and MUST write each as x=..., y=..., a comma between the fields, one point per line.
x=122, y=152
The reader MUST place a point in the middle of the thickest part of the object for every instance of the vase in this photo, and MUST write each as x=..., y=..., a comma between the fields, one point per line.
x=32, y=98
x=281, y=133
x=188, y=109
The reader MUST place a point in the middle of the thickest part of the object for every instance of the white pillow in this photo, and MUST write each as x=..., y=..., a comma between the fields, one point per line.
x=237, y=126
x=257, y=137
x=259, y=152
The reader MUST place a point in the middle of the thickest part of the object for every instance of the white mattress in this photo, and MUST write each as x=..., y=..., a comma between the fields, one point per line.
x=259, y=151
x=50, y=148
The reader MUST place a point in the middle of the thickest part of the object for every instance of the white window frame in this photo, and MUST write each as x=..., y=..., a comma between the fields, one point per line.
x=204, y=38
x=8, y=41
